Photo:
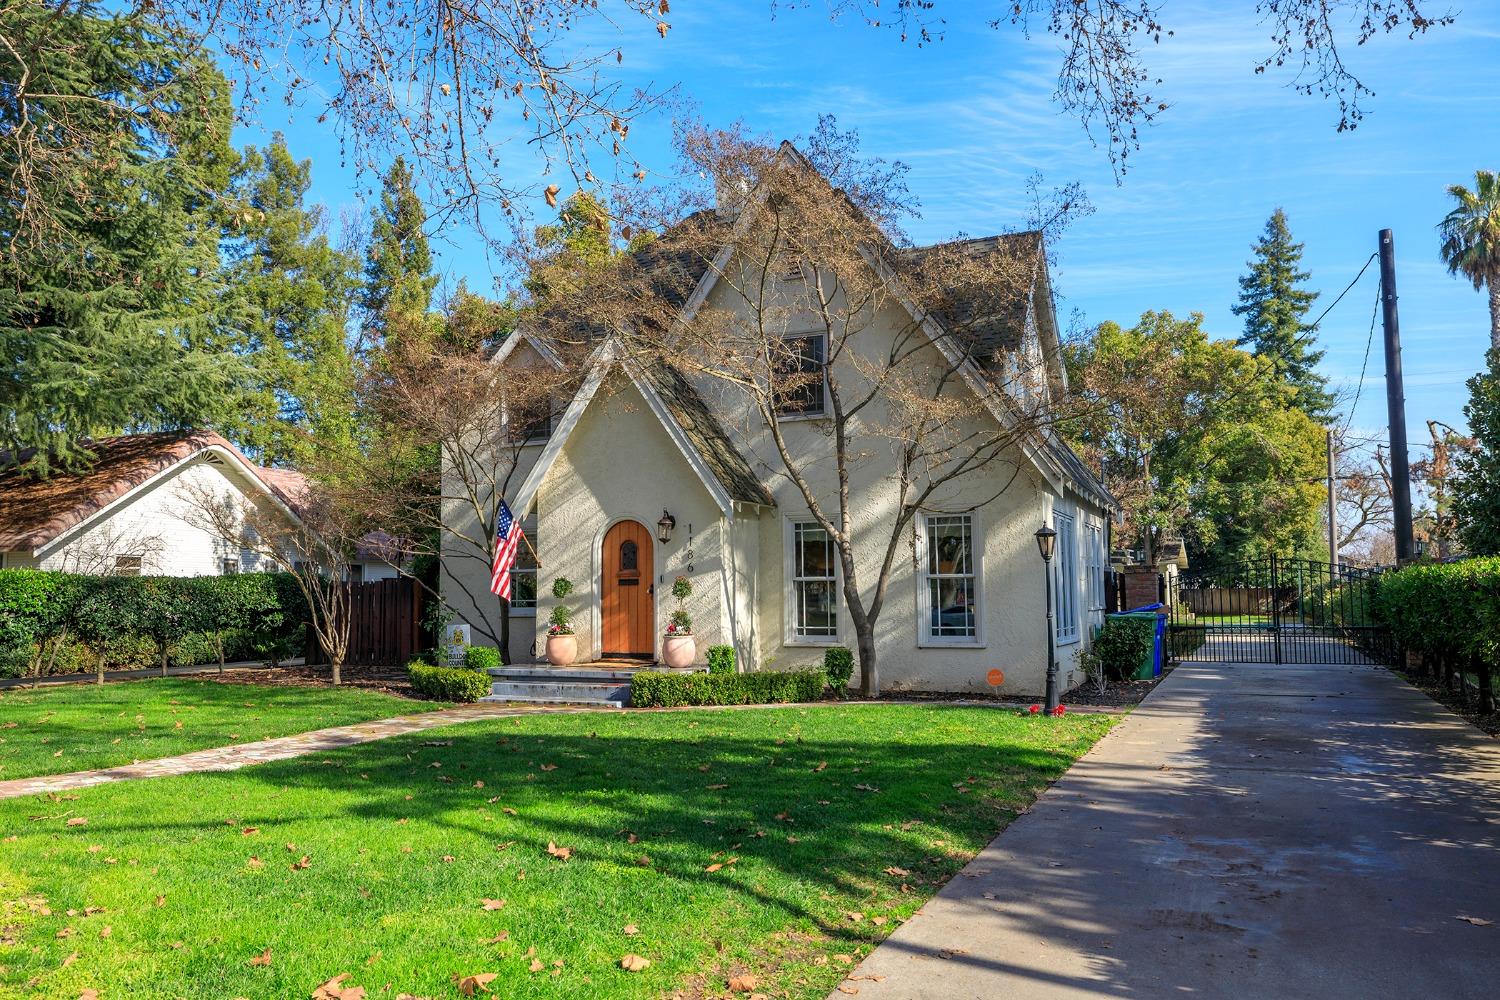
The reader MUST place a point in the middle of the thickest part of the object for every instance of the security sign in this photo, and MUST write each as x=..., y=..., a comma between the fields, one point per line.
x=996, y=677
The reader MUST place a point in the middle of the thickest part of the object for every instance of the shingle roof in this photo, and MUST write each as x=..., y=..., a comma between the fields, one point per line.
x=707, y=435
x=35, y=511
x=995, y=320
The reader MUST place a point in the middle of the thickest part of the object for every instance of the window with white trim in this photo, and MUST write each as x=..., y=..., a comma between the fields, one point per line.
x=801, y=384
x=229, y=566
x=1065, y=578
x=523, y=574
x=1094, y=571
x=128, y=565
x=813, y=599
x=950, y=579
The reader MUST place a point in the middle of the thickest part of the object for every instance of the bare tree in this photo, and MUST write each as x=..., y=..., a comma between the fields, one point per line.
x=812, y=276
x=314, y=543
x=479, y=417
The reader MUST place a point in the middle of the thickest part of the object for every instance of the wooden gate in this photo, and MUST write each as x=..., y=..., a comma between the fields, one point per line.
x=385, y=626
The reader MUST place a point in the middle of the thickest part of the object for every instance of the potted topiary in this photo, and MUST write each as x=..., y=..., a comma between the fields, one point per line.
x=562, y=642
x=677, y=647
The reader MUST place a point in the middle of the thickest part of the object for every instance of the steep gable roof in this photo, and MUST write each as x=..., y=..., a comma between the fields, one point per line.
x=34, y=512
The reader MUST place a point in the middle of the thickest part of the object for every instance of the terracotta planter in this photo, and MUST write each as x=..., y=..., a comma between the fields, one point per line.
x=678, y=651
x=562, y=649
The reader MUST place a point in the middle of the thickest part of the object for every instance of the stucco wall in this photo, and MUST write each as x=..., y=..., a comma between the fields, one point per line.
x=619, y=463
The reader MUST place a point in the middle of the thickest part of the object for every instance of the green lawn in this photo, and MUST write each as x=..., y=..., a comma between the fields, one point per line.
x=80, y=727
x=785, y=842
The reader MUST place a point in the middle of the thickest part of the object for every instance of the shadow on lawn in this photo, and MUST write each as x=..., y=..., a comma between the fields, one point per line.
x=826, y=816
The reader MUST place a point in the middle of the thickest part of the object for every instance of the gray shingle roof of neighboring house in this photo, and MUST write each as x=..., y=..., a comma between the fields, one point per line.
x=995, y=322
x=707, y=435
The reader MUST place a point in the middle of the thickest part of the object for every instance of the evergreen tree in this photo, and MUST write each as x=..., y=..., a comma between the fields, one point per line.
x=108, y=324
x=397, y=296
x=1274, y=305
x=1476, y=484
x=292, y=293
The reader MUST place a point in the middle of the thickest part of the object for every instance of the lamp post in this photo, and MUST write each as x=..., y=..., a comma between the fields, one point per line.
x=1046, y=541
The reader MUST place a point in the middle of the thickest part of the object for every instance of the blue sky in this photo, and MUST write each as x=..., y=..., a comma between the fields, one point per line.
x=972, y=115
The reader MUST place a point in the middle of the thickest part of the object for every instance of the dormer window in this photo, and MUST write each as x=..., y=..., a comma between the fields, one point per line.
x=530, y=422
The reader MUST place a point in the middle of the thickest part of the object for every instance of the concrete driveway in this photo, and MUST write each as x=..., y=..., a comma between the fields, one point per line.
x=1249, y=831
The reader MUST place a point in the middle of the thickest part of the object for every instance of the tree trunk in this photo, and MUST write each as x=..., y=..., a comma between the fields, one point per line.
x=98, y=668
x=336, y=664
x=1494, y=290
x=164, y=659
x=219, y=645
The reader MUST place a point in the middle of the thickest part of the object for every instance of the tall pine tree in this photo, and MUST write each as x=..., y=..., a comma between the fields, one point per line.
x=397, y=296
x=1274, y=305
x=110, y=324
x=292, y=294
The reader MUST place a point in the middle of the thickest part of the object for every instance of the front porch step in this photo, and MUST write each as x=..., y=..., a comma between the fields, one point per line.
x=581, y=684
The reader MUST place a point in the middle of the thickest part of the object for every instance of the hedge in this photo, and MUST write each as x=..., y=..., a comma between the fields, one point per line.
x=62, y=622
x=652, y=689
x=1449, y=613
x=448, y=683
x=1123, y=644
x=481, y=657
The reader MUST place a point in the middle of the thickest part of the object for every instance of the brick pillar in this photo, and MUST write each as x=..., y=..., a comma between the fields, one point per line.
x=1142, y=586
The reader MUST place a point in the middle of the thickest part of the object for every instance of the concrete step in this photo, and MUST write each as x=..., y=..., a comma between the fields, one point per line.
x=543, y=699
x=579, y=673
x=605, y=683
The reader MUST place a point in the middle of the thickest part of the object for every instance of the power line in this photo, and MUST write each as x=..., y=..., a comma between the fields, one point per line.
x=1364, y=365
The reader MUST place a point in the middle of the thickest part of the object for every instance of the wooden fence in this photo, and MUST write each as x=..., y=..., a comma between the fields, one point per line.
x=386, y=624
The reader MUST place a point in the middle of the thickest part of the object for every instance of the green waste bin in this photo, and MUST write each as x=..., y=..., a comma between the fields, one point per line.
x=1151, y=663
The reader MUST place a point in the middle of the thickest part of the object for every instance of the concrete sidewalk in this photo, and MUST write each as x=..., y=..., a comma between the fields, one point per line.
x=1250, y=831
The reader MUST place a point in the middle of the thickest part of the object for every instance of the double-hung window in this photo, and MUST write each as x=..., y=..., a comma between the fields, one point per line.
x=523, y=575
x=1065, y=577
x=814, y=599
x=128, y=565
x=950, y=579
x=800, y=384
x=1094, y=572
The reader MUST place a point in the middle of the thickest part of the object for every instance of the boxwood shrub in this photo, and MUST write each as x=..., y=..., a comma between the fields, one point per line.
x=481, y=657
x=652, y=689
x=448, y=683
x=721, y=659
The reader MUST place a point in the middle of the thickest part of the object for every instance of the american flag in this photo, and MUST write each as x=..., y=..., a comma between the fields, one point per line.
x=508, y=535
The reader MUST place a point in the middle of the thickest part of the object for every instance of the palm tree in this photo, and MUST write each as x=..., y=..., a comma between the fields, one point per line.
x=1471, y=240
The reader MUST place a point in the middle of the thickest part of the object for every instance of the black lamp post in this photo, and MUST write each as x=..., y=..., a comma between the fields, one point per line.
x=1046, y=542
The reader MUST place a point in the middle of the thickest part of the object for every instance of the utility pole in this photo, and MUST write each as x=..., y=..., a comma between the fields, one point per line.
x=1395, y=400
x=1333, y=518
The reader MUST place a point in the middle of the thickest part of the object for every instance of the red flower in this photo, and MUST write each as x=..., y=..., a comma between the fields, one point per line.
x=1059, y=710
x=1035, y=709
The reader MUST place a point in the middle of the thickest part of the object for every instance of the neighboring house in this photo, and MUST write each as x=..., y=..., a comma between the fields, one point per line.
x=635, y=447
x=131, y=511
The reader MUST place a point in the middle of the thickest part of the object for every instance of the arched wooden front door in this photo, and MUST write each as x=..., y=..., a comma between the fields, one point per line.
x=626, y=593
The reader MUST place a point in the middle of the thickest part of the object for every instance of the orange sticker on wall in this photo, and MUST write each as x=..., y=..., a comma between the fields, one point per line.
x=996, y=677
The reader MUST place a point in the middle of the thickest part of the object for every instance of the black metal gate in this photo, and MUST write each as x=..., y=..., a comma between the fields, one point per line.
x=1277, y=610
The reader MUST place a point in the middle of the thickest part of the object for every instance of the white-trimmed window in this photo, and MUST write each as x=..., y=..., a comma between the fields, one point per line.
x=1065, y=577
x=813, y=598
x=523, y=575
x=128, y=565
x=229, y=566
x=951, y=583
x=1094, y=571
x=803, y=387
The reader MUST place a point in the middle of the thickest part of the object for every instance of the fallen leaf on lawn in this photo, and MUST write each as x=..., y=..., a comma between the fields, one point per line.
x=631, y=929
x=499, y=938
x=1476, y=921
x=743, y=984
x=508, y=810
x=848, y=988
x=250, y=831
x=866, y=788
x=713, y=867
x=549, y=767
x=66, y=932
x=449, y=859
x=478, y=784
x=373, y=959
x=332, y=990
x=634, y=963
x=536, y=965
x=302, y=863
x=643, y=861
x=855, y=916
x=715, y=788
x=846, y=959
x=491, y=904
x=77, y=821
x=161, y=900
x=480, y=981
x=563, y=853
x=255, y=862
x=264, y=958
x=73, y=957
x=898, y=872
x=177, y=945
x=879, y=921
x=106, y=931
x=88, y=995
x=93, y=848
x=821, y=765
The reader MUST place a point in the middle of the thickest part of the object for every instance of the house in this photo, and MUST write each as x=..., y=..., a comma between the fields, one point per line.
x=652, y=471
x=131, y=511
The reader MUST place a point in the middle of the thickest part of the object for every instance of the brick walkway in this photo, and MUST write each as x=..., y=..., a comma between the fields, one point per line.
x=242, y=755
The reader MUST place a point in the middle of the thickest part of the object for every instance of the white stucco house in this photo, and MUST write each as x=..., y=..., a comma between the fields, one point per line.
x=638, y=445
x=130, y=512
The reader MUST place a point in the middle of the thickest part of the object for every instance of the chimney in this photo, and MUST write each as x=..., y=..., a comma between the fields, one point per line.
x=730, y=194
